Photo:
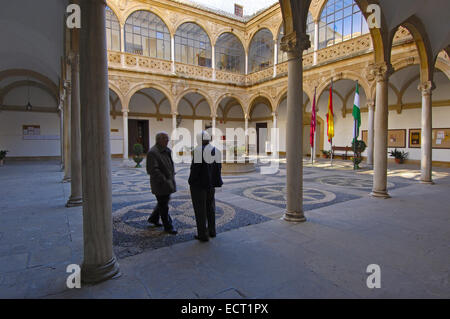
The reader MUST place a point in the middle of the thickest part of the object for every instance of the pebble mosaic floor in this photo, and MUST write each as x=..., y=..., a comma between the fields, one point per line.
x=243, y=200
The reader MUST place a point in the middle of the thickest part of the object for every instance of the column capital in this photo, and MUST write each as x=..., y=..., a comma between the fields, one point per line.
x=67, y=88
x=174, y=113
x=370, y=104
x=275, y=114
x=125, y=111
x=294, y=44
x=426, y=87
x=73, y=58
x=380, y=71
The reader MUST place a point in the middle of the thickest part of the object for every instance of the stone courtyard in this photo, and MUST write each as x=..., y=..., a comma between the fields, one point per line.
x=256, y=254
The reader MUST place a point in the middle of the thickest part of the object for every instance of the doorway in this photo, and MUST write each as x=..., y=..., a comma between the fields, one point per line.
x=261, y=137
x=138, y=133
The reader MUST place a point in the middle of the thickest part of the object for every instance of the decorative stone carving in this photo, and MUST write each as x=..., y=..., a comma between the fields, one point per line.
x=426, y=87
x=294, y=44
x=380, y=71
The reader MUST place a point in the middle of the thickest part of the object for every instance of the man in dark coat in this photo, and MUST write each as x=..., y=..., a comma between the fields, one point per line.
x=161, y=169
x=204, y=177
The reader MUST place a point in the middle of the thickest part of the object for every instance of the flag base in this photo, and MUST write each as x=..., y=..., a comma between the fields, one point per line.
x=378, y=194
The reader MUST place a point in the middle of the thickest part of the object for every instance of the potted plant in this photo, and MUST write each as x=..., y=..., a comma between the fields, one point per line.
x=326, y=154
x=358, y=147
x=2, y=156
x=399, y=156
x=138, y=150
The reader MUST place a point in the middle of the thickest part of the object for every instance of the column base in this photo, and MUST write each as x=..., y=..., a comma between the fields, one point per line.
x=427, y=182
x=93, y=274
x=66, y=180
x=74, y=201
x=378, y=194
x=294, y=217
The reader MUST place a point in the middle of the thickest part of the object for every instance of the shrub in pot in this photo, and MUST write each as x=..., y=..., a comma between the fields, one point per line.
x=2, y=156
x=138, y=150
x=399, y=156
x=358, y=147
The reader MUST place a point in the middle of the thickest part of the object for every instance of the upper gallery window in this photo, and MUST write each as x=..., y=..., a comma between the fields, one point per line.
x=340, y=20
x=146, y=34
x=192, y=45
x=261, y=51
x=112, y=31
x=282, y=56
x=229, y=54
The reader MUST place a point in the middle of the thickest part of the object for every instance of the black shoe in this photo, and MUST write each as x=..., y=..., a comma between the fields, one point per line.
x=204, y=239
x=212, y=235
x=158, y=224
x=171, y=231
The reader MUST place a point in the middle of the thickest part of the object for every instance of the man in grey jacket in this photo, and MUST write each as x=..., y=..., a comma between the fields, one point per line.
x=161, y=169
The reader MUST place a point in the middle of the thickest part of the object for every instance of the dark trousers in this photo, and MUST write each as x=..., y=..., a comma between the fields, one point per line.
x=205, y=210
x=162, y=209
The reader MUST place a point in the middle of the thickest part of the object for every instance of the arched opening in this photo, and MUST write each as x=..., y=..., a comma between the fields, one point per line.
x=260, y=119
x=340, y=20
x=260, y=55
x=149, y=113
x=282, y=56
x=192, y=45
x=113, y=42
x=229, y=54
x=146, y=34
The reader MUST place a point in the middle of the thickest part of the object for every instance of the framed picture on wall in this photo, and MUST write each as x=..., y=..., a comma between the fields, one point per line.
x=414, y=138
x=440, y=138
x=397, y=138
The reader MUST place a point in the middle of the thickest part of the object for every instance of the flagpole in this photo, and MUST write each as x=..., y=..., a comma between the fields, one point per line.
x=331, y=164
x=354, y=135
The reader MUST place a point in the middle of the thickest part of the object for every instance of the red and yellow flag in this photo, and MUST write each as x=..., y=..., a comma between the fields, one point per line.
x=330, y=116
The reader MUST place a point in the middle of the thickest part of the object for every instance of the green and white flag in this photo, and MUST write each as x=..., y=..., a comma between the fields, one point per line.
x=356, y=113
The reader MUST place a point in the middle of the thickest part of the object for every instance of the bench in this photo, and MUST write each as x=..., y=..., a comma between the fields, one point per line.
x=343, y=149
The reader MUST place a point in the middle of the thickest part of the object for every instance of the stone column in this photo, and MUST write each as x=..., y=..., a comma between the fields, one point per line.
x=76, y=198
x=381, y=73
x=246, y=63
x=370, y=132
x=99, y=262
x=316, y=41
x=246, y=134
x=61, y=130
x=274, y=143
x=125, y=133
x=213, y=62
x=66, y=132
x=122, y=38
x=294, y=44
x=213, y=124
x=426, y=165
x=174, y=127
x=275, y=57
x=172, y=52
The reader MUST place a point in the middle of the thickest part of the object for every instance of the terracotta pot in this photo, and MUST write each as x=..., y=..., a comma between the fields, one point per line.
x=399, y=161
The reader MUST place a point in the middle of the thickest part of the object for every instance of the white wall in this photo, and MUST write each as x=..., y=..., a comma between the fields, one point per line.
x=11, y=134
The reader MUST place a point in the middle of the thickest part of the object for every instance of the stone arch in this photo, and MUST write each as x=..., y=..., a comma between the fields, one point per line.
x=32, y=74
x=231, y=96
x=254, y=99
x=417, y=30
x=143, y=7
x=227, y=30
x=198, y=91
x=115, y=89
x=4, y=91
x=283, y=95
x=252, y=35
x=190, y=20
x=347, y=75
x=111, y=4
x=141, y=86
